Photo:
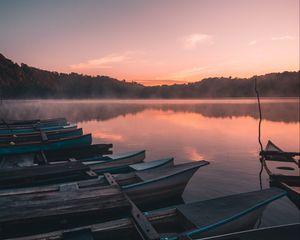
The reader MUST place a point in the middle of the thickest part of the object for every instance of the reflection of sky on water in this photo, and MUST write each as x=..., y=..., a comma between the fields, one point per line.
x=284, y=110
x=223, y=132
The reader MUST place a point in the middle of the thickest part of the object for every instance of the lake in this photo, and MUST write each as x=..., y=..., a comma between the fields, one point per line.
x=224, y=132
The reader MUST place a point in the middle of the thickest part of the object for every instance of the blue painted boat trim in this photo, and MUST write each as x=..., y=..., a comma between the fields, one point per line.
x=230, y=219
x=160, y=165
x=127, y=156
x=125, y=167
x=158, y=179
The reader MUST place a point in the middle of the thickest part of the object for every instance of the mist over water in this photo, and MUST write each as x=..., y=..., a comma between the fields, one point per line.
x=223, y=132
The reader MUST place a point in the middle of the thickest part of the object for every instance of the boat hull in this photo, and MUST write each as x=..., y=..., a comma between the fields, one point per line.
x=44, y=122
x=77, y=141
x=60, y=173
x=118, y=165
x=37, y=129
x=166, y=187
x=287, y=232
x=51, y=135
x=240, y=224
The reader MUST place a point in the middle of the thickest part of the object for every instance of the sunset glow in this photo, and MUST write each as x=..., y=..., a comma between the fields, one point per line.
x=153, y=42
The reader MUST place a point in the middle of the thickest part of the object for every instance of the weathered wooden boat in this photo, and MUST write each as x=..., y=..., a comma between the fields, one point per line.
x=36, y=129
x=32, y=126
x=117, y=163
x=94, y=152
x=274, y=153
x=29, y=147
x=86, y=152
x=44, y=122
x=77, y=203
x=41, y=136
x=186, y=221
x=72, y=171
x=125, y=165
x=283, y=171
x=286, y=232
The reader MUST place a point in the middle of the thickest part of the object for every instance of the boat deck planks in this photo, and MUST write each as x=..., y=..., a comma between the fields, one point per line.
x=59, y=203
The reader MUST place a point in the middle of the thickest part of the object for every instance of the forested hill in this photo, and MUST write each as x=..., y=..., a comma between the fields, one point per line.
x=28, y=82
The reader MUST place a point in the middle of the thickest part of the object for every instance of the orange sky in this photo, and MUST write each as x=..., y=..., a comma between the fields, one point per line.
x=153, y=42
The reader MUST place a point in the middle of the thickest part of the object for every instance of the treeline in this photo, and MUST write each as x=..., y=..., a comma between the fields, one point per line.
x=22, y=81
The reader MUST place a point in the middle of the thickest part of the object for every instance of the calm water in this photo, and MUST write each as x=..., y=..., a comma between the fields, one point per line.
x=223, y=132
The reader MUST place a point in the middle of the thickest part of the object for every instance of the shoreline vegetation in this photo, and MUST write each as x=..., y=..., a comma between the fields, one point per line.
x=25, y=82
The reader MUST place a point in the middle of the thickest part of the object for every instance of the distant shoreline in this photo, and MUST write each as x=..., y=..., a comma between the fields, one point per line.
x=149, y=99
x=25, y=82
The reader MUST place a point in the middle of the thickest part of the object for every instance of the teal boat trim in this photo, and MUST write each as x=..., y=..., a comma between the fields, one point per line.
x=164, y=162
x=109, y=159
x=158, y=179
x=77, y=141
x=230, y=219
x=34, y=130
x=127, y=168
x=168, y=160
x=50, y=136
x=125, y=155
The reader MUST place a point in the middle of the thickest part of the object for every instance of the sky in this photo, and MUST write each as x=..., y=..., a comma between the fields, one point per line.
x=153, y=42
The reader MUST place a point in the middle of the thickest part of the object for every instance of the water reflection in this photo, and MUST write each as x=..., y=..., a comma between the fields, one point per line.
x=223, y=132
x=286, y=110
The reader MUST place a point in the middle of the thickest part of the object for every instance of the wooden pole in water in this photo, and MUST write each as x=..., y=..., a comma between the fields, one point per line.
x=1, y=96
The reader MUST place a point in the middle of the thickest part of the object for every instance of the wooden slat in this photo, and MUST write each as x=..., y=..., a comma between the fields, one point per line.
x=29, y=207
x=143, y=226
x=51, y=207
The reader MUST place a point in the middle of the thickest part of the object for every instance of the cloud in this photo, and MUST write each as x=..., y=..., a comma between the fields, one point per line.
x=253, y=42
x=103, y=62
x=286, y=37
x=184, y=73
x=191, y=41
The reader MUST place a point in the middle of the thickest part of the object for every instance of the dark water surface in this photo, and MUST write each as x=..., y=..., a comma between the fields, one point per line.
x=223, y=132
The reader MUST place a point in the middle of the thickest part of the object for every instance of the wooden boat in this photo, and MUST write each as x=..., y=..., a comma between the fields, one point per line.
x=56, y=121
x=72, y=171
x=274, y=153
x=29, y=147
x=286, y=232
x=283, y=171
x=186, y=221
x=86, y=153
x=116, y=162
x=77, y=203
x=41, y=136
x=34, y=126
x=36, y=129
x=120, y=166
